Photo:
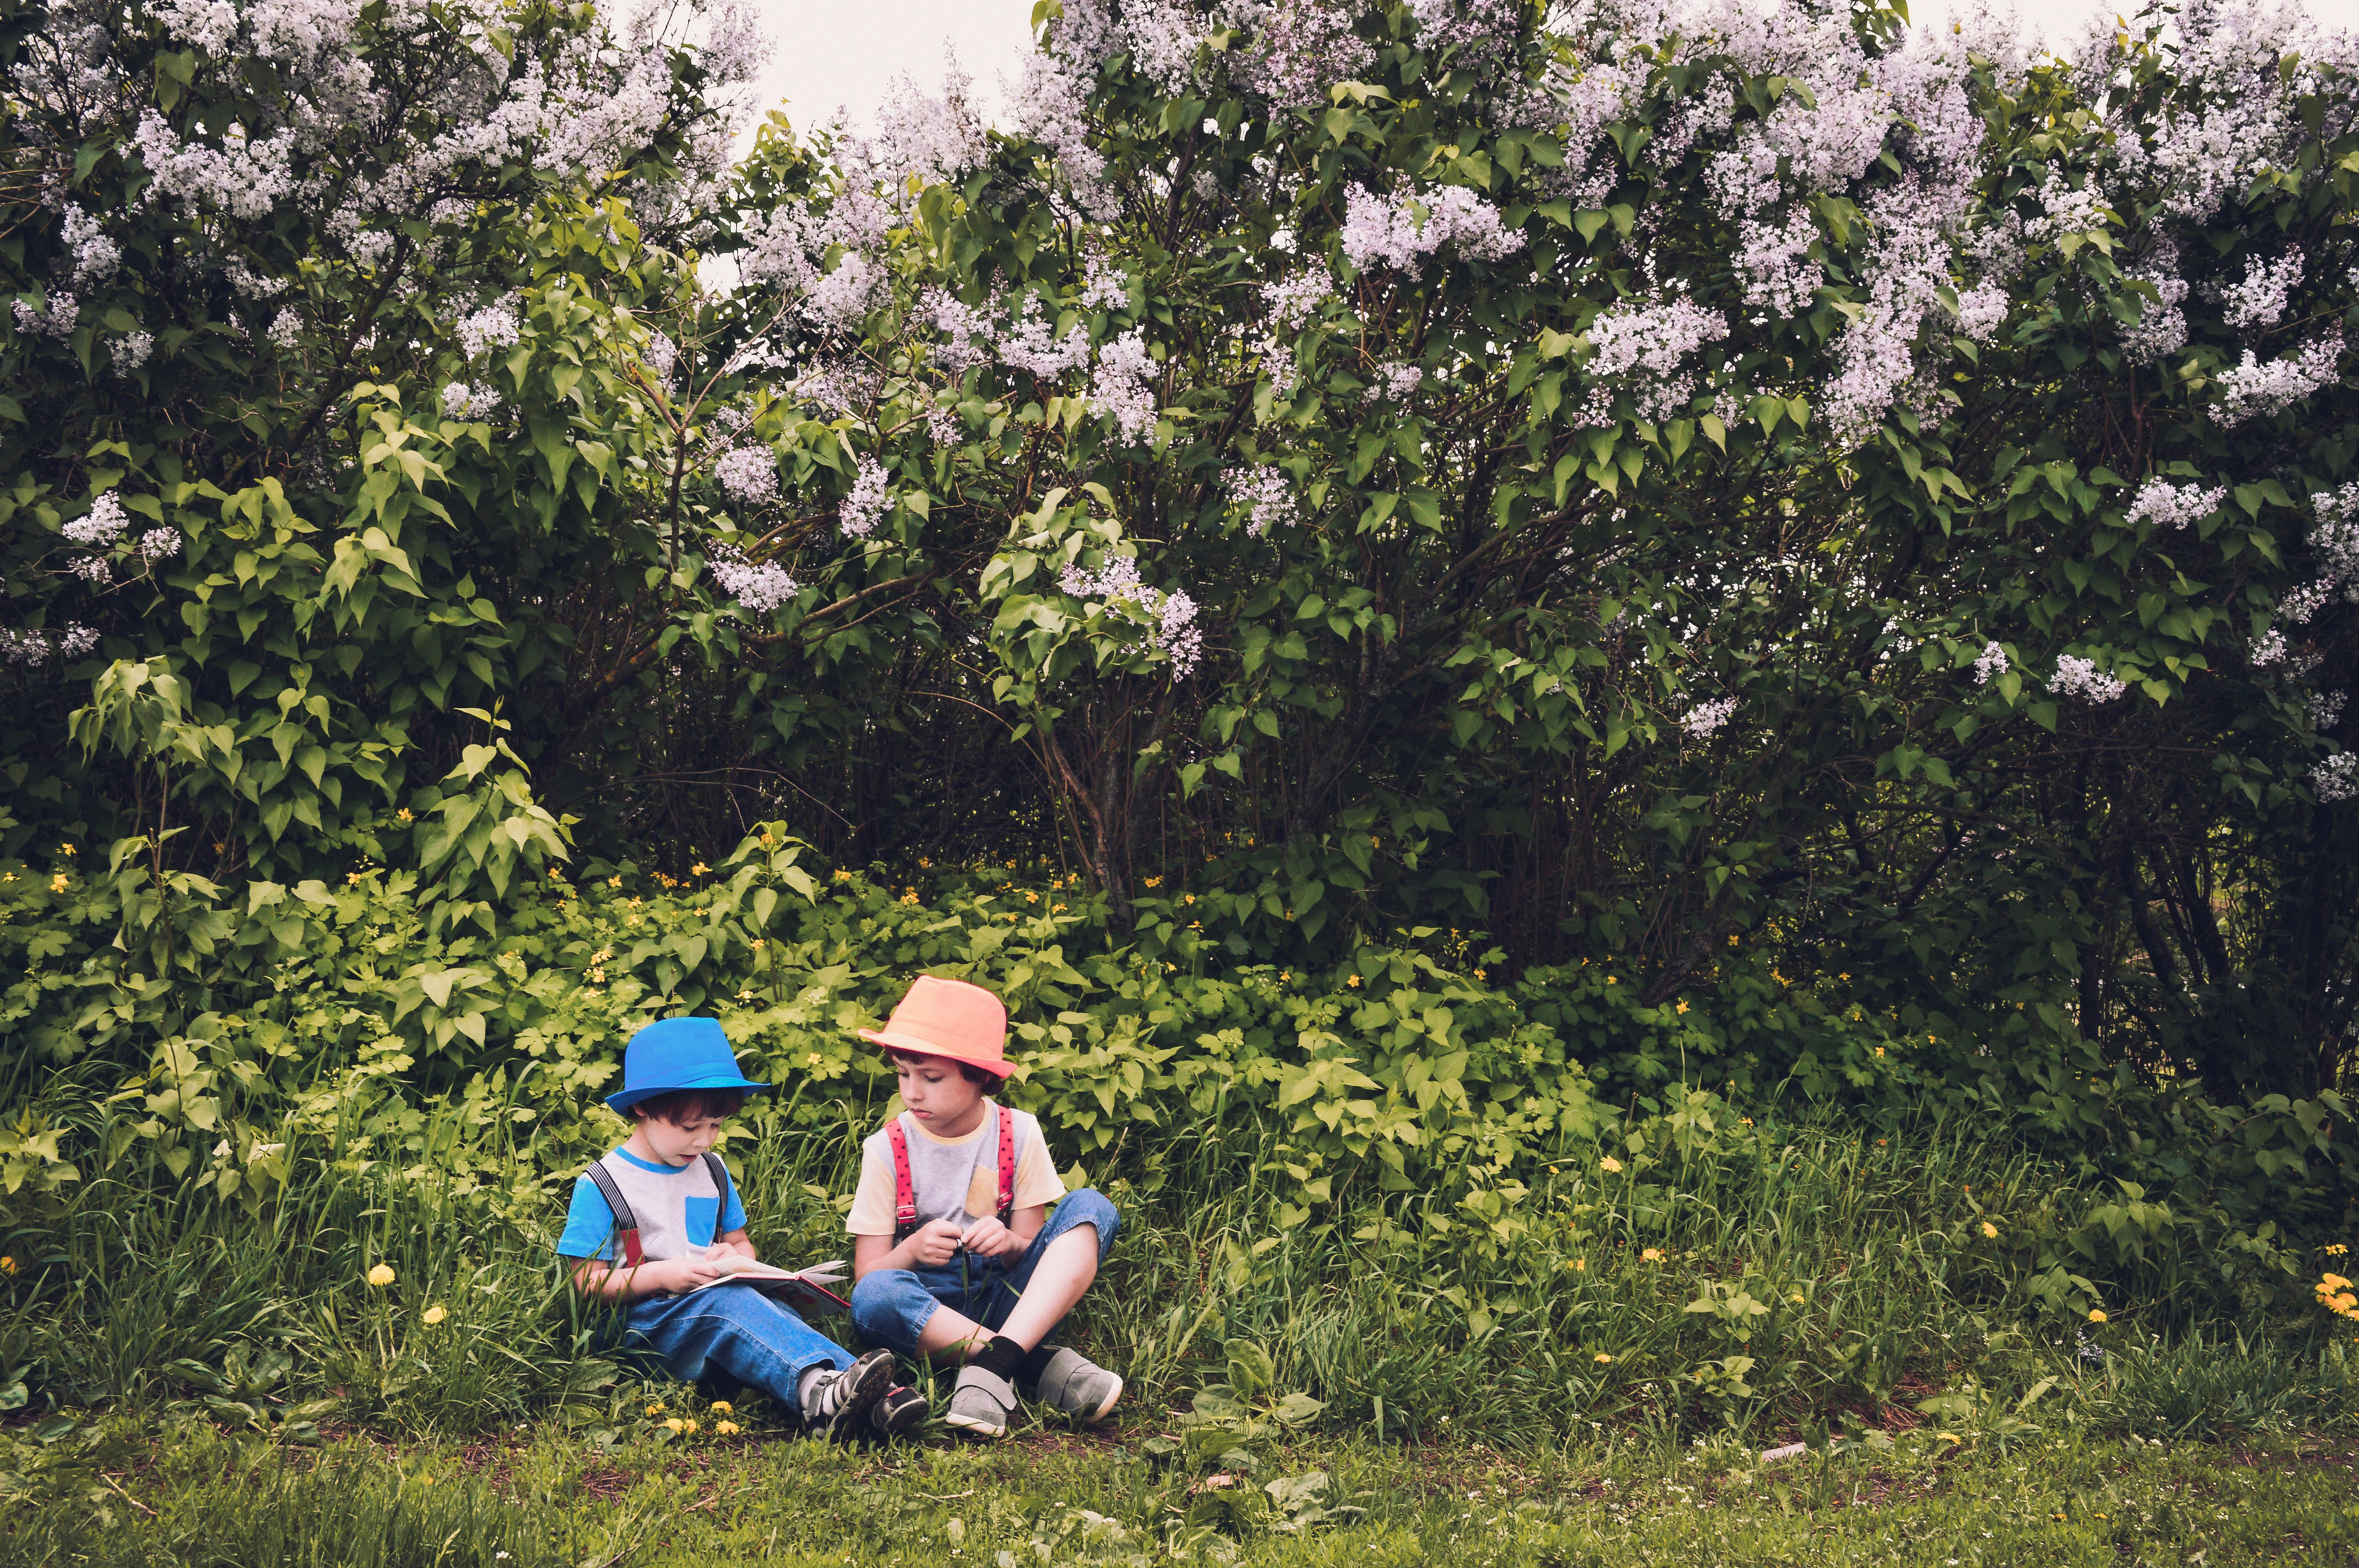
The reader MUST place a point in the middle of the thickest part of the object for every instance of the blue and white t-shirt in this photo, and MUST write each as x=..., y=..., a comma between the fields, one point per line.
x=677, y=1208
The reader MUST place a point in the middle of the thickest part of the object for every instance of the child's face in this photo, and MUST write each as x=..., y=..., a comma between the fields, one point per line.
x=935, y=1091
x=677, y=1143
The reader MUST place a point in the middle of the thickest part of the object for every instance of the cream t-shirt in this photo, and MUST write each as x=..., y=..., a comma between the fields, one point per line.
x=977, y=1155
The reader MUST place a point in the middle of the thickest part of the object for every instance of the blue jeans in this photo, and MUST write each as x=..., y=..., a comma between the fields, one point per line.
x=735, y=1329
x=892, y=1306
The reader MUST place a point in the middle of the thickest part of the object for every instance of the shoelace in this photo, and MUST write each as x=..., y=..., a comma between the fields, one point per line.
x=829, y=1398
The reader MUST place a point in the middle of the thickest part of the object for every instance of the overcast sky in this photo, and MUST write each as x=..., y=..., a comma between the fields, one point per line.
x=848, y=52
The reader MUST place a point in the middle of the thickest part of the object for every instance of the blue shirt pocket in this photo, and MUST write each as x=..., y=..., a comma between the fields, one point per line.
x=697, y=1218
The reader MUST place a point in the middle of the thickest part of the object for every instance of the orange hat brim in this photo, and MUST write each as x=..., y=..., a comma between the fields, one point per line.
x=999, y=1066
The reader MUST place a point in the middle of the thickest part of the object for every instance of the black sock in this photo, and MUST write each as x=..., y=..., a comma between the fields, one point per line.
x=1001, y=1358
x=1035, y=1364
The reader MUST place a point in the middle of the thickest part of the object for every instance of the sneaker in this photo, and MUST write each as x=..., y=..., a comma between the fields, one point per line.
x=836, y=1408
x=980, y=1403
x=1073, y=1383
x=898, y=1412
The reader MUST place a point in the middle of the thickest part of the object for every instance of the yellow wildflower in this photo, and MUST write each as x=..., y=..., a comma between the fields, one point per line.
x=2336, y=1249
x=1581, y=1265
x=1188, y=897
x=404, y=814
x=911, y=897
x=843, y=876
x=812, y=1060
x=381, y=1276
x=723, y=1407
x=1682, y=1007
x=65, y=849
x=1953, y=1437
x=726, y=1429
x=1651, y=1254
x=1990, y=1230
x=1611, y=1163
x=613, y=881
x=1480, y=976
x=1031, y=897
x=1054, y=909
x=757, y=944
x=1799, y=1299
x=1352, y=981
x=1603, y=1359
x=688, y=1428
x=2096, y=1315
x=1879, y=1050
x=58, y=883
x=2334, y=1283
x=672, y=1423
x=655, y=1409
x=7, y=1265
x=1151, y=882
x=434, y=1315
x=697, y=870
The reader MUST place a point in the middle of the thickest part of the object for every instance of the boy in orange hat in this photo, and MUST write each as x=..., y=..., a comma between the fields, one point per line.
x=955, y=1252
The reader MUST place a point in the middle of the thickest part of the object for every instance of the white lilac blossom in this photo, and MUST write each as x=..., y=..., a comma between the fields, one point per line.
x=842, y=298
x=286, y=332
x=1028, y=345
x=95, y=257
x=463, y=401
x=2250, y=389
x=494, y=327
x=1990, y=663
x=2325, y=709
x=1395, y=382
x=1706, y=717
x=1123, y=388
x=2161, y=326
x=2267, y=650
x=1264, y=496
x=34, y=649
x=749, y=475
x=2079, y=677
x=2259, y=301
x=1107, y=288
x=927, y=138
x=241, y=178
x=2336, y=778
x=760, y=587
x=660, y=354
x=1174, y=634
x=128, y=353
x=966, y=331
x=867, y=502
x=840, y=386
x=1643, y=349
x=55, y=320
x=2233, y=116
x=2168, y=506
x=1982, y=310
x=251, y=284
x=2334, y=546
x=1774, y=260
x=1388, y=233
x=160, y=545
x=101, y=526
x=93, y=571
x=1300, y=49
x=1292, y=302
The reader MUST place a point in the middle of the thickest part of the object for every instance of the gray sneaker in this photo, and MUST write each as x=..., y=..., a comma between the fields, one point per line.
x=1073, y=1383
x=980, y=1403
x=837, y=1409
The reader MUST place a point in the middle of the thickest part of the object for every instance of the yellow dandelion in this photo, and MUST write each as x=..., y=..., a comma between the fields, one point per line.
x=723, y=1407
x=1990, y=1230
x=2096, y=1315
x=654, y=1409
x=7, y=1265
x=2334, y=1283
x=726, y=1429
x=381, y=1276
x=1611, y=1163
x=688, y=1428
x=1798, y=1298
x=1581, y=1265
x=1651, y=1254
x=434, y=1315
x=673, y=1424
x=1603, y=1359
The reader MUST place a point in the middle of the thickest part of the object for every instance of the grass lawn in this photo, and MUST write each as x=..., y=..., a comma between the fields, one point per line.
x=548, y=1496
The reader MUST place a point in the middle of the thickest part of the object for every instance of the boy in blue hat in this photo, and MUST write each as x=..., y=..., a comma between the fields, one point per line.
x=659, y=1218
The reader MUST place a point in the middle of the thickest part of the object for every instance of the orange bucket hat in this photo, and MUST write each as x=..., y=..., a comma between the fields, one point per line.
x=948, y=1018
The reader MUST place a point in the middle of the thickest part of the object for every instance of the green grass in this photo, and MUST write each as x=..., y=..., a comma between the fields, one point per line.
x=547, y=1499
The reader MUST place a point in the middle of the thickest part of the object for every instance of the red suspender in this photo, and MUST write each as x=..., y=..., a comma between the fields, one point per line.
x=1007, y=1165
x=904, y=1194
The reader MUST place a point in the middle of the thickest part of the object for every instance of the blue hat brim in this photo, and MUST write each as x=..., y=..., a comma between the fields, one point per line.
x=622, y=1102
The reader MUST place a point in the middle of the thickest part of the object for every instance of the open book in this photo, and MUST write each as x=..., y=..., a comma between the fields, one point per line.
x=805, y=1290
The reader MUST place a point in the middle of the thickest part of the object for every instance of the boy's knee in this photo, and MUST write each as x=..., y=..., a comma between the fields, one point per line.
x=878, y=1300
x=1087, y=1205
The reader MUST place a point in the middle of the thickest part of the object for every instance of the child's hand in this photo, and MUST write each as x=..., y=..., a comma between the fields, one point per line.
x=676, y=1274
x=986, y=1237
x=936, y=1242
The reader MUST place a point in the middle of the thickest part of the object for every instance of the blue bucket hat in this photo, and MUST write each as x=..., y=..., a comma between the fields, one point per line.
x=677, y=1053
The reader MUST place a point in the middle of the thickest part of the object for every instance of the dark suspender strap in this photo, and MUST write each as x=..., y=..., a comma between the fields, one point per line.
x=718, y=1169
x=905, y=1191
x=626, y=1223
x=1007, y=1166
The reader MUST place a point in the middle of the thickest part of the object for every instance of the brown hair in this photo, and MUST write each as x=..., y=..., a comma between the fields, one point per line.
x=682, y=1106
x=971, y=1073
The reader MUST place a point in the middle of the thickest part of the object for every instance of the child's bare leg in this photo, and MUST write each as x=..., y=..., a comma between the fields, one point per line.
x=950, y=1336
x=1058, y=1281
